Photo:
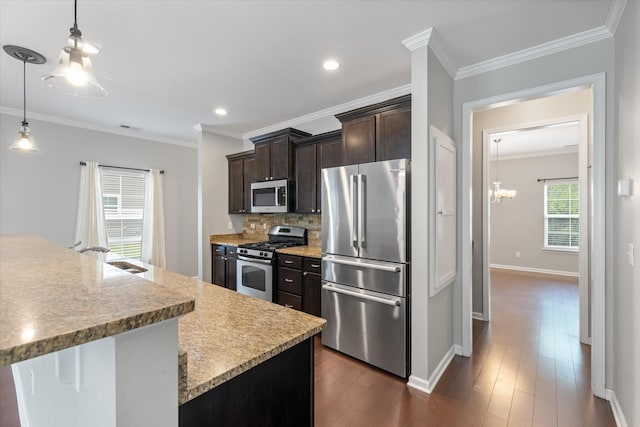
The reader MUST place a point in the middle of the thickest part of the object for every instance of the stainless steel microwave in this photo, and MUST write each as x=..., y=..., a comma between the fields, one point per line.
x=270, y=196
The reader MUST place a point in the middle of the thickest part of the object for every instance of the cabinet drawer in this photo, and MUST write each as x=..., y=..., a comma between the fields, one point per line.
x=290, y=261
x=312, y=265
x=232, y=251
x=219, y=249
x=290, y=280
x=290, y=300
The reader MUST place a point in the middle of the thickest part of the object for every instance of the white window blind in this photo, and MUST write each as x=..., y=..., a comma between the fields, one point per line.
x=562, y=216
x=123, y=199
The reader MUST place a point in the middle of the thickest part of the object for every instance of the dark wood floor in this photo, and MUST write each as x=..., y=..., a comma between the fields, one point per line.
x=527, y=369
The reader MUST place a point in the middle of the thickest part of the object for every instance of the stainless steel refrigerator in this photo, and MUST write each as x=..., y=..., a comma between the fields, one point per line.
x=365, y=262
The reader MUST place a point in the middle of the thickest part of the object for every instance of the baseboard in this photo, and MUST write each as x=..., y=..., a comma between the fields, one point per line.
x=429, y=385
x=477, y=316
x=457, y=348
x=535, y=270
x=616, y=409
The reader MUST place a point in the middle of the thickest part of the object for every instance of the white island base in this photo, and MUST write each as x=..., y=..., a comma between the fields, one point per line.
x=125, y=380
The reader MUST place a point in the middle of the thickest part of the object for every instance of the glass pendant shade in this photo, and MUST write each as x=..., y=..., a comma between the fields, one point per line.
x=497, y=194
x=74, y=74
x=25, y=141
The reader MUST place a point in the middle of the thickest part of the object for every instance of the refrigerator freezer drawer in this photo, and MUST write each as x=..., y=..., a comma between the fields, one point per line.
x=386, y=277
x=367, y=325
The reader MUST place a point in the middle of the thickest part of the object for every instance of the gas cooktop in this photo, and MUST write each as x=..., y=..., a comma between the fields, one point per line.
x=280, y=236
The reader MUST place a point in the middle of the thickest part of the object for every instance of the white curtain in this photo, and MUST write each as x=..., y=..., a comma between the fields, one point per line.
x=90, y=224
x=153, y=251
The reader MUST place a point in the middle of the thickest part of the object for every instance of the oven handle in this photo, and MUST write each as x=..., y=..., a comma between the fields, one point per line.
x=259, y=261
x=386, y=301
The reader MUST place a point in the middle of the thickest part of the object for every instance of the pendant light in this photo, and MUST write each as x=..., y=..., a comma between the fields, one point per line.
x=74, y=72
x=497, y=194
x=25, y=141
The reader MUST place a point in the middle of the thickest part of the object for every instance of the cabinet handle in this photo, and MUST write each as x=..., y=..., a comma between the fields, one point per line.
x=315, y=265
x=288, y=306
x=288, y=280
x=286, y=261
x=313, y=210
x=270, y=177
x=305, y=273
x=318, y=210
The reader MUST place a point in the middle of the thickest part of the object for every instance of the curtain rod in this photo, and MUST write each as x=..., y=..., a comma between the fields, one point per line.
x=121, y=167
x=557, y=179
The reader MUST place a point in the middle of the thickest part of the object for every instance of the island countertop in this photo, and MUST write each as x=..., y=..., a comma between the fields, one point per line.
x=52, y=298
x=229, y=333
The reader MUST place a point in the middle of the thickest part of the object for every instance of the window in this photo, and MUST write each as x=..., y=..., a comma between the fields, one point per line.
x=561, y=216
x=123, y=200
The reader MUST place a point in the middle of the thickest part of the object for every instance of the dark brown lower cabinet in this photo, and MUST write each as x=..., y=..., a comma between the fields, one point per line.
x=223, y=265
x=278, y=392
x=299, y=284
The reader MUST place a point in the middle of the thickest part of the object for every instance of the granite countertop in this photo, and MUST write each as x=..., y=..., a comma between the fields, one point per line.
x=52, y=298
x=307, y=251
x=230, y=239
x=229, y=333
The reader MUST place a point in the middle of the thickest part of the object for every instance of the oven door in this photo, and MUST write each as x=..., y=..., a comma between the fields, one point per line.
x=255, y=278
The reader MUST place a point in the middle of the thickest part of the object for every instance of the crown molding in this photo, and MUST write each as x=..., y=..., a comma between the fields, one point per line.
x=418, y=40
x=94, y=127
x=212, y=129
x=430, y=37
x=615, y=14
x=327, y=112
x=559, y=45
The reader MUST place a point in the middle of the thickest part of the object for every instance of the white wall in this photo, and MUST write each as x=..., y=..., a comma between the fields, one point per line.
x=590, y=59
x=518, y=225
x=39, y=191
x=627, y=219
x=521, y=113
x=213, y=189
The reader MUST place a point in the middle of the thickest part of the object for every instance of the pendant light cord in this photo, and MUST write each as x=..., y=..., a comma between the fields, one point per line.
x=497, y=159
x=24, y=93
x=75, y=13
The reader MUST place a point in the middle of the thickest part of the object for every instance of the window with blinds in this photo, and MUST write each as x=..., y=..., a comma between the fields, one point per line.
x=561, y=216
x=123, y=200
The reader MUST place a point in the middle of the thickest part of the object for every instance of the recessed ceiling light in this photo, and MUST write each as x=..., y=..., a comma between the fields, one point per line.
x=220, y=111
x=331, y=65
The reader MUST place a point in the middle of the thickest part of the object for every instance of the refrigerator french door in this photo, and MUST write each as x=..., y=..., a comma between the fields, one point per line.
x=365, y=262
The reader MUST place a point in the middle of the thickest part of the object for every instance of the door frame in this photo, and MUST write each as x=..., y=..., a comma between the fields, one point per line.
x=597, y=83
x=582, y=122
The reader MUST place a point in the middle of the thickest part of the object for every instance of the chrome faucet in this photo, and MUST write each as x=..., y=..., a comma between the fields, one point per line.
x=95, y=249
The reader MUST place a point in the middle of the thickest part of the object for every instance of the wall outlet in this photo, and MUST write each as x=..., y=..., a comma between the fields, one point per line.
x=264, y=226
x=230, y=226
x=517, y=254
x=252, y=226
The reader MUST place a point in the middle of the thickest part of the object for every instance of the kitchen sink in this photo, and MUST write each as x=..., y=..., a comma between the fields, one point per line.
x=128, y=267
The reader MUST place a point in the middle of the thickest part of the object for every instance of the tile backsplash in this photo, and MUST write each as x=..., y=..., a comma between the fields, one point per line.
x=265, y=221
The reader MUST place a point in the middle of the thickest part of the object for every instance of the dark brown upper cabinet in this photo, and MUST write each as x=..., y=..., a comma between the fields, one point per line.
x=242, y=172
x=311, y=155
x=377, y=132
x=274, y=154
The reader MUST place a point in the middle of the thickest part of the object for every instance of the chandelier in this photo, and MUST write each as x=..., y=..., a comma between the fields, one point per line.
x=497, y=194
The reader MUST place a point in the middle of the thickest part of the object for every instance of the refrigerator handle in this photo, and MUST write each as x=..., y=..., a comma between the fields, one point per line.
x=391, y=302
x=361, y=209
x=354, y=212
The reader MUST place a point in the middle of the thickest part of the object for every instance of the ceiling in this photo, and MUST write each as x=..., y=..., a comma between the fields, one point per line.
x=554, y=139
x=168, y=64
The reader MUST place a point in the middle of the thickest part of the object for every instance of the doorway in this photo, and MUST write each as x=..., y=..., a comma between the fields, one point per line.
x=596, y=83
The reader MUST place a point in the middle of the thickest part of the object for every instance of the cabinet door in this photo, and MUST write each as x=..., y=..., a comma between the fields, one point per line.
x=311, y=293
x=263, y=161
x=329, y=154
x=232, y=264
x=219, y=275
x=236, y=186
x=281, y=158
x=359, y=138
x=393, y=134
x=306, y=179
x=249, y=176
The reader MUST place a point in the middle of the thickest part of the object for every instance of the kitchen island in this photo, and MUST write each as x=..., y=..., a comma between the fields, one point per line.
x=231, y=346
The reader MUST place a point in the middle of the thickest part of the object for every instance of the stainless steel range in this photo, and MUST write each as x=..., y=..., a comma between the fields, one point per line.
x=256, y=261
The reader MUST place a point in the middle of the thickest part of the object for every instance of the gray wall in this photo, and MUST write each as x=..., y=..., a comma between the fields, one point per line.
x=627, y=219
x=520, y=113
x=518, y=225
x=440, y=311
x=39, y=191
x=213, y=189
x=593, y=58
